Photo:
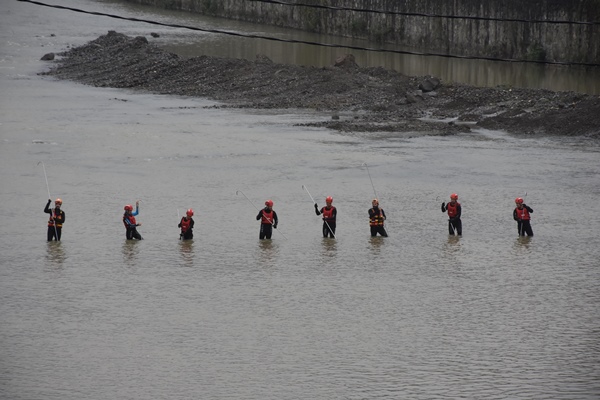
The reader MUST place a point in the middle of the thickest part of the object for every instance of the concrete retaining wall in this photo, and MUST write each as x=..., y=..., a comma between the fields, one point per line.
x=514, y=40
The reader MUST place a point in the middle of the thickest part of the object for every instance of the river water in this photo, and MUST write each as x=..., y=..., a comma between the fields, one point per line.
x=417, y=315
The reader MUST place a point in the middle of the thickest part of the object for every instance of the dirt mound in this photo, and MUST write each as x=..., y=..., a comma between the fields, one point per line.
x=377, y=99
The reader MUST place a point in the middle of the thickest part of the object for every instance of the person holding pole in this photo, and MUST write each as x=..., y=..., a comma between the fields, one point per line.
x=57, y=218
x=130, y=223
x=187, y=225
x=454, y=211
x=268, y=220
x=376, y=219
x=329, y=213
x=521, y=214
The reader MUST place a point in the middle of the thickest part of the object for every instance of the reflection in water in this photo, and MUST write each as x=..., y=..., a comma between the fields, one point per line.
x=267, y=250
x=522, y=243
x=453, y=239
x=375, y=244
x=329, y=247
x=472, y=72
x=272, y=318
x=55, y=253
x=186, y=248
x=452, y=245
x=130, y=251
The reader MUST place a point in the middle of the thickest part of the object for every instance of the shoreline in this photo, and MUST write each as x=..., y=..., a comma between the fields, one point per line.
x=359, y=99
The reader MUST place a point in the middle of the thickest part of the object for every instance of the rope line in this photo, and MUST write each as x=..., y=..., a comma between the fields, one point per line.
x=332, y=45
x=416, y=14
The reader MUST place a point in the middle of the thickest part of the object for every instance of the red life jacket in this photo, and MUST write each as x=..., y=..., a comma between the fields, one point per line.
x=377, y=219
x=328, y=214
x=452, y=209
x=185, y=224
x=522, y=214
x=267, y=217
x=51, y=219
x=131, y=220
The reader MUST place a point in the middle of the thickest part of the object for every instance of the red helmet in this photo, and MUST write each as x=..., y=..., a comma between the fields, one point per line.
x=189, y=212
x=329, y=199
x=128, y=207
x=269, y=203
x=453, y=196
x=58, y=201
x=519, y=200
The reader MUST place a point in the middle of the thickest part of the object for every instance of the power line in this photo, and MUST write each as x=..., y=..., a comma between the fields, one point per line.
x=333, y=45
x=416, y=14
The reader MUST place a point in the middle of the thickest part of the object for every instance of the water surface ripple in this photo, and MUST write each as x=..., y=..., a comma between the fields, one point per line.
x=417, y=315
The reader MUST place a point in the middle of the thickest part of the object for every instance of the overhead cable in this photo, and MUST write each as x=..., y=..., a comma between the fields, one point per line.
x=333, y=45
x=416, y=14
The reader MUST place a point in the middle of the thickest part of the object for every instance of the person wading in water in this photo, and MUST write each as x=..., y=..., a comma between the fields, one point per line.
x=268, y=220
x=376, y=219
x=57, y=218
x=130, y=223
x=454, y=211
x=521, y=214
x=329, y=213
x=187, y=224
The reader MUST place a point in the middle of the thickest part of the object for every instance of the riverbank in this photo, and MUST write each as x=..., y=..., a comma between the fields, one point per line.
x=359, y=99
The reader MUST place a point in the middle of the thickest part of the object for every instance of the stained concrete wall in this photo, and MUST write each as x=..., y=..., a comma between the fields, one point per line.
x=464, y=37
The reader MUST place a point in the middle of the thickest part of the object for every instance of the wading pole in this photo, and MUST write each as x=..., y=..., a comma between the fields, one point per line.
x=374, y=192
x=237, y=192
x=522, y=230
x=314, y=202
x=49, y=198
x=179, y=219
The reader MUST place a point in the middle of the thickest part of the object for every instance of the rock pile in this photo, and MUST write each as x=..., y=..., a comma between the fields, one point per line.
x=367, y=99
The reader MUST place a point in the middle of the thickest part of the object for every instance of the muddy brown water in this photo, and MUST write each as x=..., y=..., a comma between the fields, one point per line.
x=472, y=72
x=416, y=315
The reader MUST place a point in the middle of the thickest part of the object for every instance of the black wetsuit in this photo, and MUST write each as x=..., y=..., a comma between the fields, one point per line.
x=189, y=234
x=57, y=217
x=376, y=217
x=266, y=227
x=131, y=226
x=523, y=225
x=328, y=222
x=454, y=223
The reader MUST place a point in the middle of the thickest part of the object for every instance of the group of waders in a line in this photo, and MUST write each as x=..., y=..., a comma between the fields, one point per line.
x=269, y=220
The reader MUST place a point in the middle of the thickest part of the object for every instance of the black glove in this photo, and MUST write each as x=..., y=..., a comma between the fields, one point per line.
x=316, y=206
x=443, y=205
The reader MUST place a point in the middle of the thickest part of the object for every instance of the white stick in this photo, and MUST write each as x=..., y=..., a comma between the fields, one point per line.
x=272, y=222
x=49, y=198
x=45, y=177
x=179, y=219
x=374, y=192
x=314, y=202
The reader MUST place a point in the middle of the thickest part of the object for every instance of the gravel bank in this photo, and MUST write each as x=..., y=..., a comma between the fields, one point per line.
x=359, y=99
